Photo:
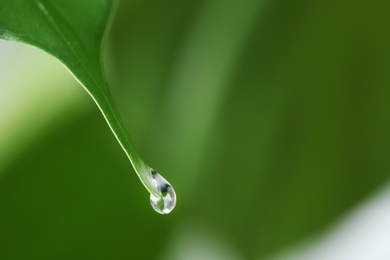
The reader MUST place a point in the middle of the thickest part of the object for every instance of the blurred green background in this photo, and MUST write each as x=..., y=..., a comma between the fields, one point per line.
x=270, y=119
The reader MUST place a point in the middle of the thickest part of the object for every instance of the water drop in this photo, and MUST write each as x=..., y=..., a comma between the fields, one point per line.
x=166, y=199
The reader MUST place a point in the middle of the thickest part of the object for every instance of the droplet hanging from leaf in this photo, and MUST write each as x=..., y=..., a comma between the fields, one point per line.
x=73, y=32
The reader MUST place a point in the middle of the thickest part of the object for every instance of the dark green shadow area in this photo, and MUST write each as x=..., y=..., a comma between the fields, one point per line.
x=64, y=200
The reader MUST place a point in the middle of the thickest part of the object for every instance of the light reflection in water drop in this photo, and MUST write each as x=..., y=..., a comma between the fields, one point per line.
x=166, y=200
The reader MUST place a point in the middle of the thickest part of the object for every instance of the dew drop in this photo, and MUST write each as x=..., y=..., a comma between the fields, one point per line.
x=166, y=200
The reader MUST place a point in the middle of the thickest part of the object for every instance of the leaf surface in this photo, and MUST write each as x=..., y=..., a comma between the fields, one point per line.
x=73, y=32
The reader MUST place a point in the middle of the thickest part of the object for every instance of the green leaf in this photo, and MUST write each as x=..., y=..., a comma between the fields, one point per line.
x=73, y=31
